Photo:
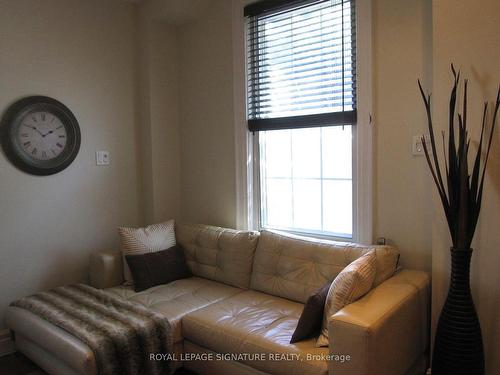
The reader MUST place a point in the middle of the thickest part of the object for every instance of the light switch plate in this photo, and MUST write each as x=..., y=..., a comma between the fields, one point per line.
x=417, y=148
x=102, y=158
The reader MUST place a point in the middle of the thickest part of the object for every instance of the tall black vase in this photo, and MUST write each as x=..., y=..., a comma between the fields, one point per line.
x=458, y=346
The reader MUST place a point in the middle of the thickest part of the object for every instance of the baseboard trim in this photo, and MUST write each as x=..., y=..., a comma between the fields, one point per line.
x=7, y=345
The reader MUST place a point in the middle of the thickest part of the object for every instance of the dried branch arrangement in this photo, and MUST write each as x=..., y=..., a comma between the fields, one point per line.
x=461, y=196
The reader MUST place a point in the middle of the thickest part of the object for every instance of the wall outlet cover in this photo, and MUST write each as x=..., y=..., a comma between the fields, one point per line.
x=417, y=148
x=102, y=158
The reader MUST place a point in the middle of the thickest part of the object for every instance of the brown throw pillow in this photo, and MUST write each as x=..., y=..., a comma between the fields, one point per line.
x=312, y=316
x=158, y=268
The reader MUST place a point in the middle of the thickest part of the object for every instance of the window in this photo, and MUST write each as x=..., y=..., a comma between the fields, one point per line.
x=301, y=83
x=306, y=180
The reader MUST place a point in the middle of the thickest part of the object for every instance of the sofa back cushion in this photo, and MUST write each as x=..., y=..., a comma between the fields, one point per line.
x=294, y=267
x=220, y=254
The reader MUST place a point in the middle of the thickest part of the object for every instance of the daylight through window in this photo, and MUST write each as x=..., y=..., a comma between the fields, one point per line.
x=302, y=108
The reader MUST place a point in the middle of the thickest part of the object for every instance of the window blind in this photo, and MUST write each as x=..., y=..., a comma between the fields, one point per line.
x=301, y=64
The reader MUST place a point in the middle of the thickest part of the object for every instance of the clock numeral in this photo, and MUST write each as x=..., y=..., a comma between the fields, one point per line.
x=59, y=127
x=53, y=118
x=62, y=136
x=27, y=144
x=43, y=116
x=35, y=151
x=53, y=151
x=44, y=155
x=59, y=145
x=25, y=135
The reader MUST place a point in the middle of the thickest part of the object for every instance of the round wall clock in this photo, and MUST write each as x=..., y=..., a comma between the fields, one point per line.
x=40, y=135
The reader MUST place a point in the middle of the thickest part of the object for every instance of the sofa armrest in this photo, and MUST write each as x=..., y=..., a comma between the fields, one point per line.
x=106, y=270
x=384, y=333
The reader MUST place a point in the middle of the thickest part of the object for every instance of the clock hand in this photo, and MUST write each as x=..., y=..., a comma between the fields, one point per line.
x=34, y=128
x=50, y=132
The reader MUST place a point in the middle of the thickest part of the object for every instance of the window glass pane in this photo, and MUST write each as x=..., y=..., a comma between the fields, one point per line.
x=337, y=207
x=278, y=194
x=277, y=154
x=306, y=180
x=307, y=204
x=337, y=153
x=306, y=157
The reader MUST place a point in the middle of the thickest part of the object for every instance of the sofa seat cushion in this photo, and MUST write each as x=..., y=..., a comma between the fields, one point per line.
x=256, y=323
x=178, y=298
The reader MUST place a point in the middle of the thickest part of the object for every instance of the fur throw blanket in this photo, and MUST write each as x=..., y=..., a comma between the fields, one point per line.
x=122, y=334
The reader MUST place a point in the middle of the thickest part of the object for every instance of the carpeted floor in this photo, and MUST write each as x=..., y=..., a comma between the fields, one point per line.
x=18, y=364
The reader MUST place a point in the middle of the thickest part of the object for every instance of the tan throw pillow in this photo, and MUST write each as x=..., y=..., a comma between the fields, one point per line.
x=154, y=238
x=351, y=284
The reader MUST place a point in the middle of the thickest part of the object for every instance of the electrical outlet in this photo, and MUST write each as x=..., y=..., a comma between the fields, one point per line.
x=102, y=158
x=417, y=148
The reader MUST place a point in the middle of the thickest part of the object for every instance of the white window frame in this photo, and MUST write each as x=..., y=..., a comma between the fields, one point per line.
x=246, y=144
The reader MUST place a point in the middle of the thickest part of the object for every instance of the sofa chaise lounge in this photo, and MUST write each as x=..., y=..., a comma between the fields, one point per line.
x=245, y=297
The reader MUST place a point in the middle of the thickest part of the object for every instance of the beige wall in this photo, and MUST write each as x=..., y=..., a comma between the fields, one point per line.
x=82, y=53
x=165, y=134
x=401, y=54
x=174, y=12
x=466, y=33
x=207, y=118
x=158, y=105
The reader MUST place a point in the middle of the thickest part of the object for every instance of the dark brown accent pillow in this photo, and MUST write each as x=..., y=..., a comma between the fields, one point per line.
x=311, y=319
x=161, y=267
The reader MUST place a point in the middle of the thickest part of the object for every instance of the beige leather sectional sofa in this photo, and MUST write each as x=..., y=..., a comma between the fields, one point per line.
x=237, y=313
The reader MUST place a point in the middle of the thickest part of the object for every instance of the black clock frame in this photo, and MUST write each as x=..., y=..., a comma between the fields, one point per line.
x=11, y=121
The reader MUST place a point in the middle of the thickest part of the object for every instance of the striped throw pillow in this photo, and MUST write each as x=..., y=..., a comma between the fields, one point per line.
x=350, y=285
x=135, y=241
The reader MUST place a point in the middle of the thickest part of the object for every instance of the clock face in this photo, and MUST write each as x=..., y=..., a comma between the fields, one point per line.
x=40, y=135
